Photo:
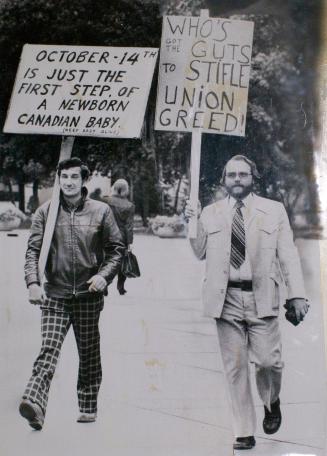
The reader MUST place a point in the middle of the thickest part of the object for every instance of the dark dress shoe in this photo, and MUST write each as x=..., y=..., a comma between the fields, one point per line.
x=32, y=413
x=272, y=420
x=244, y=443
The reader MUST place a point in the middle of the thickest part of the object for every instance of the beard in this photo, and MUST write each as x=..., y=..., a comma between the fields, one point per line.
x=239, y=191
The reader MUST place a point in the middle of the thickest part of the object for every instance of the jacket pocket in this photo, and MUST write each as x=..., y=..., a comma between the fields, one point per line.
x=214, y=226
x=215, y=235
x=268, y=236
x=276, y=290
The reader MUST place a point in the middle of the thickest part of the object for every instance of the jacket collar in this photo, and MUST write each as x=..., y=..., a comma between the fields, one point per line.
x=247, y=201
x=222, y=208
x=252, y=200
x=260, y=204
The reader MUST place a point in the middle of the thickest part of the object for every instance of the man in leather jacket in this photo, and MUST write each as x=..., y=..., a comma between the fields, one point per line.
x=84, y=257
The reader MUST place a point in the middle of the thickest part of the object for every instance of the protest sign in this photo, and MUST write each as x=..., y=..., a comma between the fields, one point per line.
x=204, y=75
x=81, y=91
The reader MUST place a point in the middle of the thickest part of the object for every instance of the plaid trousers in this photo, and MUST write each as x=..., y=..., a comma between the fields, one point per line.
x=57, y=316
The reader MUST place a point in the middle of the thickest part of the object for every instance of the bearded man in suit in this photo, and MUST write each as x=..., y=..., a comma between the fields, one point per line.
x=250, y=257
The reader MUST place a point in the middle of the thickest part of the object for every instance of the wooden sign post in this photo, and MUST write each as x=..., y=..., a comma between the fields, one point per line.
x=195, y=180
x=65, y=152
x=204, y=74
x=79, y=91
x=195, y=168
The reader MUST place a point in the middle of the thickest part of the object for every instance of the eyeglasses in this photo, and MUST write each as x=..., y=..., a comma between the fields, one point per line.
x=241, y=175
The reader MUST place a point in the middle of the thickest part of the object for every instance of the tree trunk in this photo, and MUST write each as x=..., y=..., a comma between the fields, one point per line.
x=21, y=196
x=177, y=194
x=10, y=192
x=160, y=179
x=36, y=193
x=145, y=205
x=131, y=189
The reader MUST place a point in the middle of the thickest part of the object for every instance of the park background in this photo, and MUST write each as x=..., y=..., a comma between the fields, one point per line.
x=282, y=120
x=157, y=333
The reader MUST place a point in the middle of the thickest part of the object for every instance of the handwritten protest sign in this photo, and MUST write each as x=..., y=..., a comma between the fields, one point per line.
x=81, y=91
x=204, y=75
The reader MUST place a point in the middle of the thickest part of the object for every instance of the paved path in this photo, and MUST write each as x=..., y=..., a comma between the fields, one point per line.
x=163, y=390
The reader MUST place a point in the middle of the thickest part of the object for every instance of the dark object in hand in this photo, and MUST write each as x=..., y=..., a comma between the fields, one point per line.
x=290, y=313
x=129, y=266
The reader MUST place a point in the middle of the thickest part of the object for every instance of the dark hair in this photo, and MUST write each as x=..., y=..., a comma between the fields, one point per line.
x=71, y=163
x=253, y=166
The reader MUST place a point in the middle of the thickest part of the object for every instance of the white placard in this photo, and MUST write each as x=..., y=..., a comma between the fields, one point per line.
x=81, y=91
x=204, y=75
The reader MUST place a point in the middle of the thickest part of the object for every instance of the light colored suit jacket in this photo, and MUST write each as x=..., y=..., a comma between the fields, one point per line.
x=273, y=256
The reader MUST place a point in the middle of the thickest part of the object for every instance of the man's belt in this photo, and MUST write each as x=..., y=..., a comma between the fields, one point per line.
x=244, y=285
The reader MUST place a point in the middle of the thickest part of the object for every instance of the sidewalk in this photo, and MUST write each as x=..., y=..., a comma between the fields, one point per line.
x=163, y=391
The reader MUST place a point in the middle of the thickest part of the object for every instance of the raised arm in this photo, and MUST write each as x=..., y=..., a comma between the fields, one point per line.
x=199, y=244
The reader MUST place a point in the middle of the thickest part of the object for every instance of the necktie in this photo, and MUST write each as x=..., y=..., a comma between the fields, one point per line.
x=238, y=237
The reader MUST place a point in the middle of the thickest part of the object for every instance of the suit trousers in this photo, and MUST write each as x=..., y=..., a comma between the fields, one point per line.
x=245, y=338
x=57, y=317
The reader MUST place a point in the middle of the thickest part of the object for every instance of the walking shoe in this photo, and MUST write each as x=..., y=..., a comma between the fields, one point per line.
x=32, y=413
x=87, y=418
x=272, y=419
x=244, y=443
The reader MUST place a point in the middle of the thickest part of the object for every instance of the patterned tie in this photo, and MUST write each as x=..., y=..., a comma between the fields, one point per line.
x=238, y=237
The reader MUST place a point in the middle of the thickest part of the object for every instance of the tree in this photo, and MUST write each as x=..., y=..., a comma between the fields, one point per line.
x=281, y=116
x=281, y=111
x=282, y=106
x=114, y=23
x=34, y=171
x=183, y=7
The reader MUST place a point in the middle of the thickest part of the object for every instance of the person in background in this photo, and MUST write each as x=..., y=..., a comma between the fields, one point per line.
x=123, y=211
x=96, y=194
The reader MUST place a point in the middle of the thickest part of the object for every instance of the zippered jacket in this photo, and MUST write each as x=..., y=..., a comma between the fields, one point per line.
x=86, y=241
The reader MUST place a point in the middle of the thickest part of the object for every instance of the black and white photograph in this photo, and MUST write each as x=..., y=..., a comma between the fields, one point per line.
x=163, y=237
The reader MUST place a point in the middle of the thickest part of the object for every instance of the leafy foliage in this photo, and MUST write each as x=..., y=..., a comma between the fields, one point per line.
x=184, y=7
x=73, y=22
x=281, y=115
x=281, y=110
